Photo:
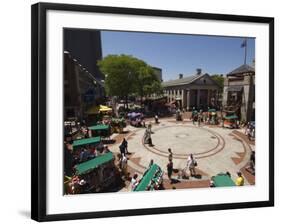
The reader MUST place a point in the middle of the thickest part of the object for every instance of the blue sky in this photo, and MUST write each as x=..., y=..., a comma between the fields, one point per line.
x=176, y=54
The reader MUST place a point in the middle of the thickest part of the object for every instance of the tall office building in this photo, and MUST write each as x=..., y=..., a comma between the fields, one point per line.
x=85, y=46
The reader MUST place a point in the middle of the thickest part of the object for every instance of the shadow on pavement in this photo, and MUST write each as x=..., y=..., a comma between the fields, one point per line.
x=174, y=181
x=197, y=176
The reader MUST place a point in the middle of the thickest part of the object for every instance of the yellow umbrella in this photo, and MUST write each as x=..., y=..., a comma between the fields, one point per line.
x=105, y=108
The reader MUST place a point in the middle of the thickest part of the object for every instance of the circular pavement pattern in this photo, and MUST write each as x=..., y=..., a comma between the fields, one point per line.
x=217, y=149
x=184, y=140
x=188, y=139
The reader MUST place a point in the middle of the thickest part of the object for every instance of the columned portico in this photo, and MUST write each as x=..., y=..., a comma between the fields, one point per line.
x=194, y=91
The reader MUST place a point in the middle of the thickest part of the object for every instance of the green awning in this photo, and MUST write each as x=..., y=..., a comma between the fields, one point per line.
x=148, y=176
x=231, y=117
x=223, y=180
x=100, y=127
x=88, y=166
x=86, y=141
x=212, y=110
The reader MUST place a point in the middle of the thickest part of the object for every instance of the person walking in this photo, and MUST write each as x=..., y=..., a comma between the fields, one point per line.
x=156, y=119
x=200, y=116
x=148, y=138
x=170, y=157
x=125, y=145
x=150, y=141
x=252, y=160
x=124, y=165
x=191, y=164
x=145, y=136
x=122, y=149
x=150, y=163
x=170, y=167
x=149, y=126
x=247, y=129
x=134, y=181
x=193, y=115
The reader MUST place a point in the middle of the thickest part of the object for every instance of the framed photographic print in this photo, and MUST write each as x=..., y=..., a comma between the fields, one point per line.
x=140, y=111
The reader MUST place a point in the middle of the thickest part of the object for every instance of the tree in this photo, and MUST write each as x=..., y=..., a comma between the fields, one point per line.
x=219, y=79
x=146, y=82
x=119, y=74
x=126, y=75
x=154, y=87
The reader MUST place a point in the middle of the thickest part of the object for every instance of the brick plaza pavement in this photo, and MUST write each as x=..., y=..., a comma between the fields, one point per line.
x=216, y=150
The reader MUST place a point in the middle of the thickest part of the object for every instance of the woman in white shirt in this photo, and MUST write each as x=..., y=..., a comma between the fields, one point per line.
x=191, y=163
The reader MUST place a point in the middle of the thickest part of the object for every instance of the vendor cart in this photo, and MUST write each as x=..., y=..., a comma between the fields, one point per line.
x=212, y=116
x=81, y=143
x=222, y=180
x=152, y=179
x=230, y=121
x=101, y=130
x=97, y=174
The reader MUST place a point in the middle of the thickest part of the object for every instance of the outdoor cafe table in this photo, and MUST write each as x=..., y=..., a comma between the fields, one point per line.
x=86, y=141
x=92, y=164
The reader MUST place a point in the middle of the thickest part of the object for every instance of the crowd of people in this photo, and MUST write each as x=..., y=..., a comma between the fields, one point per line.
x=208, y=117
x=250, y=130
x=87, y=152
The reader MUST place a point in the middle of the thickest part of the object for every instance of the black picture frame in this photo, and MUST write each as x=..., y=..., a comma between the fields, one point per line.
x=38, y=116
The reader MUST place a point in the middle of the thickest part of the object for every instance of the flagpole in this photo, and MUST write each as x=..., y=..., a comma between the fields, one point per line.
x=245, y=58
